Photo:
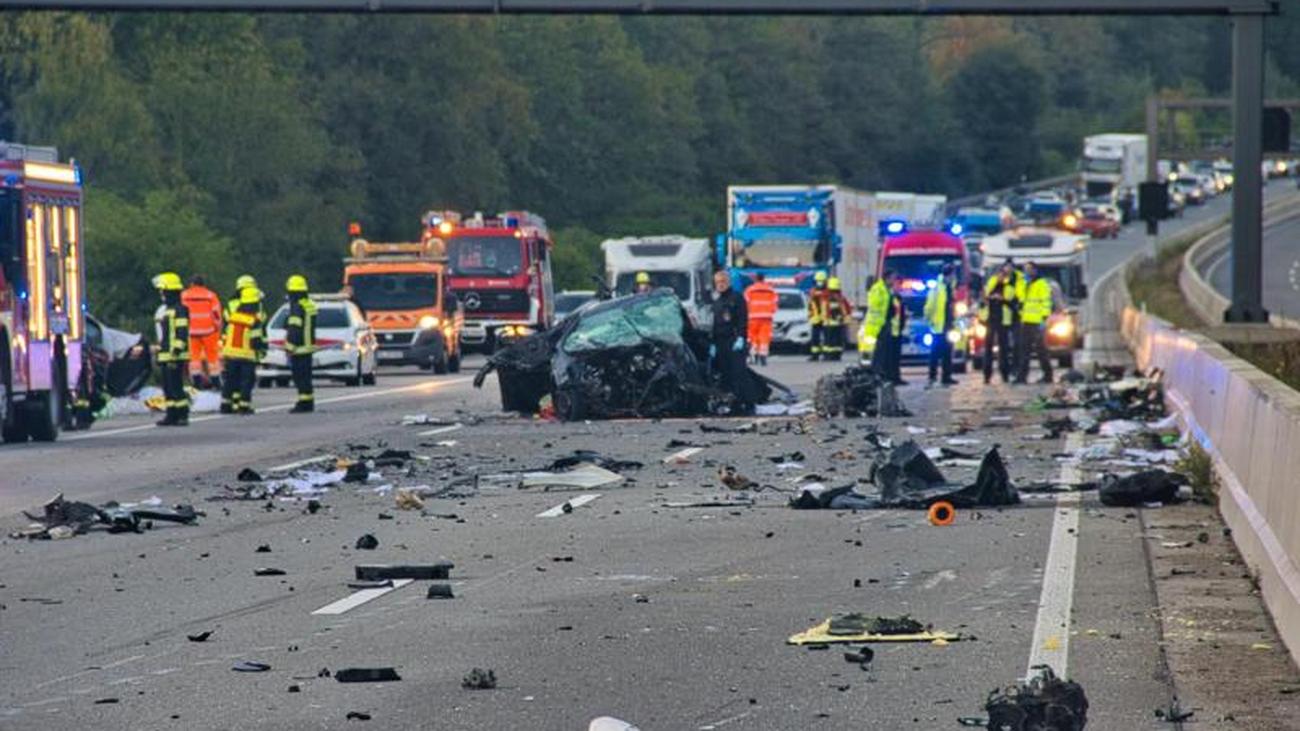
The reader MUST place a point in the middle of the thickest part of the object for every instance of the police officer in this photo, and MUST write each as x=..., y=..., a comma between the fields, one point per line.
x=727, y=347
x=888, y=359
x=643, y=282
x=817, y=301
x=239, y=352
x=836, y=314
x=300, y=341
x=877, y=308
x=173, y=325
x=939, y=315
x=1000, y=301
x=1038, y=306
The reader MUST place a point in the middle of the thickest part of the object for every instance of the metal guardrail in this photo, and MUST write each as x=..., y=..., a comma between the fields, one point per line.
x=1027, y=186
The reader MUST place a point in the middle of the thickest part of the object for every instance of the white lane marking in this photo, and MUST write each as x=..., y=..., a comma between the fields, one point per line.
x=1051, y=643
x=301, y=463
x=682, y=456
x=423, y=385
x=360, y=597
x=574, y=502
x=441, y=430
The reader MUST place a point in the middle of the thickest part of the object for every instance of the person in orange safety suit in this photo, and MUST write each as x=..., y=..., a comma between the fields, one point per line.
x=205, y=333
x=760, y=299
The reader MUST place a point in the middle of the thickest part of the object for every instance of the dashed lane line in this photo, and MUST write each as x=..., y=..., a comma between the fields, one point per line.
x=358, y=598
x=574, y=502
x=1051, y=643
x=442, y=430
x=422, y=386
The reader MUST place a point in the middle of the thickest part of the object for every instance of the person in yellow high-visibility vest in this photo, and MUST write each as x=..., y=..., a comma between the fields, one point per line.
x=939, y=315
x=877, y=309
x=818, y=301
x=837, y=312
x=173, y=324
x=997, y=313
x=1037, y=306
x=300, y=341
x=239, y=352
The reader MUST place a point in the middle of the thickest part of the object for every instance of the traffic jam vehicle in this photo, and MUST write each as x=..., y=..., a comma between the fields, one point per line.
x=1094, y=221
x=346, y=347
x=1063, y=258
x=500, y=269
x=402, y=290
x=43, y=377
x=918, y=257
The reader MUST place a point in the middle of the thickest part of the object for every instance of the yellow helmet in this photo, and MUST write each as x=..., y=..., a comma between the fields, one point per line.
x=168, y=282
x=250, y=295
x=643, y=277
x=245, y=281
x=296, y=283
x=833, y=284
x=819, y=277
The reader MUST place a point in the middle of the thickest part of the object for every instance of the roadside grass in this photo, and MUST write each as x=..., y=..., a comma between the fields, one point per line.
x=1279, y=360
x=1199, y=468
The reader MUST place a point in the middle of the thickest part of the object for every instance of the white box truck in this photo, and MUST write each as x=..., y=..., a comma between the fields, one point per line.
x=679, y=263
x=1113, y=164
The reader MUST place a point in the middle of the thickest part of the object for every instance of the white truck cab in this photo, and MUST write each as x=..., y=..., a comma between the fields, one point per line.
x=680, y=263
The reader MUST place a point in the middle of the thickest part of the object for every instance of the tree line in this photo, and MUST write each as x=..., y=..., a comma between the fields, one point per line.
x=229, y=143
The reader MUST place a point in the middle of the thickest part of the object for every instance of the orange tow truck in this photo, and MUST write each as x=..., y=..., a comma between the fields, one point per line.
x=402, y=289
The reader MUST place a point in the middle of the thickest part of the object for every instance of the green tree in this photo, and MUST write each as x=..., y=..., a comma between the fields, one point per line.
x=1000, y=96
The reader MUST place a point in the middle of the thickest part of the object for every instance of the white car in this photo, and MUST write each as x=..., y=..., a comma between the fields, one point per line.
x=790, y=326
x=346, y=345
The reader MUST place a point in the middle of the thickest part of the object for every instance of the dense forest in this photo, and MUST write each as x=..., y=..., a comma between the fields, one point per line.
x=230, y=143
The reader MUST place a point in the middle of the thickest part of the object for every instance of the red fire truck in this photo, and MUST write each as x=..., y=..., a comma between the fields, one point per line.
x=42, y=292
x=500, y=270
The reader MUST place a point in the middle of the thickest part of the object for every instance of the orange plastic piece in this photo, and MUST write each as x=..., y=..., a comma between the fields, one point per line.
x=942, y=513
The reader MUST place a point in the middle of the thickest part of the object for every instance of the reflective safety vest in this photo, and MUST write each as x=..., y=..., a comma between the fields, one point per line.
x=877, y=308
x=1009, y=297
x=936, y=308
x=760, y=299
x=818, y=299
x=173, y=333
x=1038, y=302
x=258, y=340
x=300, y=327
x=205, y=310
x=238, y=342
x=837, y=308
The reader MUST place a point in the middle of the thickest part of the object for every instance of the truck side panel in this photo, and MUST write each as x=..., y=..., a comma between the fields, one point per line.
x=855, y=222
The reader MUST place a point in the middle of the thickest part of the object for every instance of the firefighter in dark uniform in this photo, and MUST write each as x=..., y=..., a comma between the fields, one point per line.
x=173, y=323
x=727, y=348
x=239, y=352
x=300, y=341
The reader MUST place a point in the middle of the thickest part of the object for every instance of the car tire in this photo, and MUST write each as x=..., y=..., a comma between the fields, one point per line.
x=355, y=381
x=43, y=415
x=439, y=363
x=11, y=425
x=453, y=363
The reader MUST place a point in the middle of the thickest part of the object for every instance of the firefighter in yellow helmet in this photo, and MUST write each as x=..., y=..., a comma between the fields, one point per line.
x=239, y=351
x=300, y=341
x=244, y=283
x=643, y=284
x=836, y=312
x=173, y=324
x=818, y=300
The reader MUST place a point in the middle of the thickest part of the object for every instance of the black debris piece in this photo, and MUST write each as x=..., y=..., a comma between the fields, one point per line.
x=379, y=572
x=861, y=657
x=790, y=457
x=366, y=675
x=856, y=623
x=396, y=454
x=634, y=356
x=369, y=584
x=106, y=701
x=479, y=679
x=748, y=427
x=358, y=716
x=440, y=591
x=907, y=470
x=367, y=542
x=295, y=688
x=1044, y=703
x=1148, y=486
x=200, y=637
x=264, y=548
x=248, y=474
x=269, y=571
x=680, y=443
x=586, y=456
x=313, y=506
x=249, y=666
x=858, y=391
x=62, y=518
x=1174, y=713
x=357, y=472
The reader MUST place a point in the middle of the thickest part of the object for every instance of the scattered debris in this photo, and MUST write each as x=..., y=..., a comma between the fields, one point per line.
x=249, y=666
x=861, y=657
x=1043, y=702
x=733, y=480
x=248, y=474
x=106, y=701
x=1142, y=488
x=200, y=637
x=357, y=716
x=1174, y=713
x=62, y=518
x=366, y=675
x=858, y=391
x=479, y=679
x=858, y=628
x=264, y=548
x=269, y=571
x=440, y=591
x=367, y=542
x=378, y=572
x=407, y=499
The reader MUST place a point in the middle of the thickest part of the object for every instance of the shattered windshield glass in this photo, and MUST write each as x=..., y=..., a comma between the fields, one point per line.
x=656, y=317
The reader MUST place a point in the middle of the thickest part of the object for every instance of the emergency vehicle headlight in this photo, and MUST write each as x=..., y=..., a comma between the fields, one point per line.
x=1061, y=329
x=928, y=339
x=428, y=322
x=961, y=308
x=954, y=336
x=1070, y=220
x=956, y=229
x=446, y=227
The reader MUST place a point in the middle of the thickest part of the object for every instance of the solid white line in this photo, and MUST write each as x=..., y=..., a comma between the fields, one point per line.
x=301, y=463
x=360, y=597
x=683, y=455
x=574, y=502
x=423, y=385
x=441, y=430
x=1051, y=644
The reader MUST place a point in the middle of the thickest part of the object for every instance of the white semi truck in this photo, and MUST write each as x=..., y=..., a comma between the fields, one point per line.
x=1113, y=164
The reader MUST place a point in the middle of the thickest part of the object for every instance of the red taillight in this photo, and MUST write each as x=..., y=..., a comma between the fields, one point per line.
x=326, y=343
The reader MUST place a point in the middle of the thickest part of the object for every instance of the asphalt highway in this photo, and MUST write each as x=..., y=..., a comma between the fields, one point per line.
x=1281, y=269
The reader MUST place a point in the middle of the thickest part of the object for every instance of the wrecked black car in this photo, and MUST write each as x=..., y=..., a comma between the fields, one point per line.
x=634, y=356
